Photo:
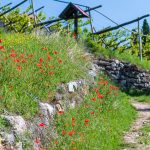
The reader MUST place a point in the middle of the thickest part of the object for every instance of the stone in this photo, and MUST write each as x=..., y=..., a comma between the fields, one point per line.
x=17, y=122
x=72, y=86
x=7, y=138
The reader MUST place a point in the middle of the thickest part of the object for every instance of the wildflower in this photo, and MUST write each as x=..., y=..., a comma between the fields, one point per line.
x=40, y=60
x=56, y=142
x=71, y=133
x=1, y=47
x=16, y=60
x=92, y=113
x=55, y=52
x=100, y=95
x=93, y=99
x=51, y=73
x=1, y=40
x=75, y=35
x=23, y=61
x=39, y=65
x=41, y=124
x=22, y=55
x=74, y=148
x=11, y=87
x=86, y=120
x=44, y=48
x=12, y=51
x=72, y=142
x=19, y=68
x=63, y=132
x=51, y=67
x=60, y=112
x=12, y=55
x=59, y=61
x=49, y=57
x=37, y=141
x=31, y=55
x=5, y=58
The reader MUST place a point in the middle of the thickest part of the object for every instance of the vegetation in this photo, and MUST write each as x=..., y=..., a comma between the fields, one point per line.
x=32, y=68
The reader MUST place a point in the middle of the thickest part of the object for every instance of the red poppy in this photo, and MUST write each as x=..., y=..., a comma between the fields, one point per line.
x=1, y=40
x=5, y=58
x=39, y=65
x=56, y=142
x=44, y=48
x=72, y=142
x=31, y=55
x=92, y=113
x=93, y=99
x=55, y=52
x=49, y=57
x=100, y=95
x=59, y=61
x=13, y=55
x=19, y=68
x=40, y=60
x=63, y=132
x=13, y=51
x=16, y=60
x=42, y=124
x=1, y=47
x=75, y=35
x=51, y=73
x=86, y=120
x=60, y=112
x=23, y=61
x=11, y=87
x=51, y=67
x=74, y=148
x=71, y=133
x=22, y=55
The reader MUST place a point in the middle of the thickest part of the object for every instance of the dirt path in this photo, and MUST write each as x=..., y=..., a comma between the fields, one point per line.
x=131, y=137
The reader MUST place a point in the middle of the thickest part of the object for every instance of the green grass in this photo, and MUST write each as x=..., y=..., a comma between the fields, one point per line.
x=142, y=98
x=22, y=79
x=112, y=116
x=125, y=56
x=145, y=138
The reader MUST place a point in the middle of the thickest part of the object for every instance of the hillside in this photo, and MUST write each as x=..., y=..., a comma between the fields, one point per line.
x=42, y=79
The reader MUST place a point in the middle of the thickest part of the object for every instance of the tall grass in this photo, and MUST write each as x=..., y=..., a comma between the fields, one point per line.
x=31, y=68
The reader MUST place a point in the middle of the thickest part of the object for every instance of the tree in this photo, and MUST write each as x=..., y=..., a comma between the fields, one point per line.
x=146, y=30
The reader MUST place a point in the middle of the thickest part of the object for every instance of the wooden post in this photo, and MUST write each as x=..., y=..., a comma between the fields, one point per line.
x=140, y=41
x=76, y=25
x=33, y=12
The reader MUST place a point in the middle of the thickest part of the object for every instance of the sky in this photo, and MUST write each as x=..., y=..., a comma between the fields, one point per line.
x=118, y=10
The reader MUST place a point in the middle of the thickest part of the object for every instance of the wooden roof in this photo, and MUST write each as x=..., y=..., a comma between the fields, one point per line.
x=70, y=11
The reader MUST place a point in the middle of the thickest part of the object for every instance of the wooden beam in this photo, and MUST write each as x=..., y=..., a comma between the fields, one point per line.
x=121, y=25
x=12, y=8
x=5, y=6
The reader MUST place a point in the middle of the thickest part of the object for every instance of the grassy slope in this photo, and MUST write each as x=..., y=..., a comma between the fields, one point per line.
x=27, y=68
x=112, y=114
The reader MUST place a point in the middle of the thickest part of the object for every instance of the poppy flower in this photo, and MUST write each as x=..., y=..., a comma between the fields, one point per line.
x=37, y=141
x=22, y=55
x=12, y=55
x=1, y=40
x=63, y=132
x=40, y=60
x=100, y=95
x=5, y=58
x=59, y=61
x=42, y=124
x=51, y=73
x=56, y=142
x=86, y=120
x=60, y=112
x=51, y=67
x=13, y=51
x=49, y=57
x=93, y=99
x=19, y=68
x=39, y=65
x=16, y=60
x=92, y=113
x=1, y=47
x=74, y=148
x=71, y=133
x=72, y=142
x=55, y=52
x=23, y=61
x=31, y=55
x=44, y=48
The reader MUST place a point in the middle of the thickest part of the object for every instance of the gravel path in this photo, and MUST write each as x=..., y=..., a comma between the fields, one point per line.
x=131, y=137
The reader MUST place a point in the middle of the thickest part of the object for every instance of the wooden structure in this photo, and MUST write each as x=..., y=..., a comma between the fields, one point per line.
x=73, y=12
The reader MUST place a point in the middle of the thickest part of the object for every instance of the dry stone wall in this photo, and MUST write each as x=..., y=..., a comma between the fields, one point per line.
x=127, y=75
